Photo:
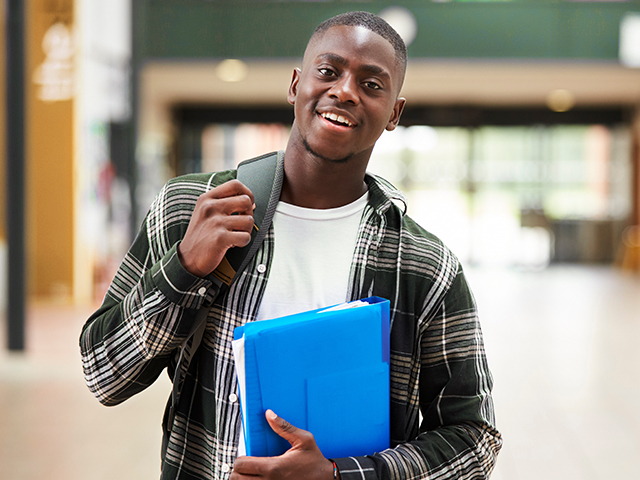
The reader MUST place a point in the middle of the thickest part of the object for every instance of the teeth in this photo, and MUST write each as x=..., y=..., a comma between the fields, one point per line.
x=337, y=118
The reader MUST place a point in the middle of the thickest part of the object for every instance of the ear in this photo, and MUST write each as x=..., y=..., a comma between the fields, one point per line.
x=395, y=115
x=293, y=88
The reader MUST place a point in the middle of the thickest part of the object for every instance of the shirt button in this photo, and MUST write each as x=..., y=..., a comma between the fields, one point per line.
x=202, y=291
x=226, y=468
x=262, y=268
x=233, y=398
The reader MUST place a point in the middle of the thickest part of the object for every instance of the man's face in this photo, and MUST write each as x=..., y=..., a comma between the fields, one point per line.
x=346, y=94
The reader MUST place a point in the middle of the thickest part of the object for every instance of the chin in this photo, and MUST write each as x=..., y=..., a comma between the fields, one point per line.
x=326, y=157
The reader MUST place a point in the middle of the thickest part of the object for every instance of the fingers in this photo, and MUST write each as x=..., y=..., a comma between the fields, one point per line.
x=232, y=188
x=252, y=466
x=234, y=205
x=235, y=223
x=222, y=219
x=235, y=239
x=297, y=437
x=302, y=460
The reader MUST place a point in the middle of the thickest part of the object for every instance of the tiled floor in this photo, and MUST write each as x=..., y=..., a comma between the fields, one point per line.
x=564, y=347
x=563, y=344
x=51, y=427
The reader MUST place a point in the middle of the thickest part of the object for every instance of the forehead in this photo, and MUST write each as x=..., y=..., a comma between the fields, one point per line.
x=355, y=44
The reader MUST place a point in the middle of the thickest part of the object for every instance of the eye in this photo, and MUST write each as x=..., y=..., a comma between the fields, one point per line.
x=327, y=72
x=372, y=85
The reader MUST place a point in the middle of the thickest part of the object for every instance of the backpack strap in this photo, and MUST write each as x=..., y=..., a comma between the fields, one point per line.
x=263, y=176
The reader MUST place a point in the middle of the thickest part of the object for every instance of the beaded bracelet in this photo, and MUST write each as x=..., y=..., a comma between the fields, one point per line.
x=335, y=470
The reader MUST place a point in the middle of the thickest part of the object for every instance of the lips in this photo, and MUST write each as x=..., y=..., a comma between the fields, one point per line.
x=337, y=119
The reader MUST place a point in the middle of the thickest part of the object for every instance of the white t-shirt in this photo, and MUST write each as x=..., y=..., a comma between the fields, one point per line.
x=312, y=258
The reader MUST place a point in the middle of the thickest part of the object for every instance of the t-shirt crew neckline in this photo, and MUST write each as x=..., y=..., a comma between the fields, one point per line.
x=352, y=208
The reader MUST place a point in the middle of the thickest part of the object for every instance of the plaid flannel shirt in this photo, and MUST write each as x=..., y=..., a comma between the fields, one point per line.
x=438, y=364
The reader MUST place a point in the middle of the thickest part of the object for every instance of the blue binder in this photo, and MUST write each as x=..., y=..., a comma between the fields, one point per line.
x=325, y=371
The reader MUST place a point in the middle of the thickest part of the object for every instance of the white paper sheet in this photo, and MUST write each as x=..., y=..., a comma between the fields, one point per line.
x=238, y=355
x=344, y=306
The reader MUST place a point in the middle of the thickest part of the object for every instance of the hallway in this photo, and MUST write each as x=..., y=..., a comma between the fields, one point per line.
x=562, y=344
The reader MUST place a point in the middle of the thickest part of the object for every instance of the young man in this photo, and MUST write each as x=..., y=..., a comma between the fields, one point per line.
x=337, y=235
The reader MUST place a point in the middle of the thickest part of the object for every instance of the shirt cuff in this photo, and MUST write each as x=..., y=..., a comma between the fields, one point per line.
x=356, y=468
x=178, y=285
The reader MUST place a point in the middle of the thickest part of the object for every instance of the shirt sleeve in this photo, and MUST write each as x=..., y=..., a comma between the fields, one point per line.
x=147, y=313
x=457, y=439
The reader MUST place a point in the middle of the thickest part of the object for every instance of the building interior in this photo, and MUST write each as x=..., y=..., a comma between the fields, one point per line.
x=519, y=147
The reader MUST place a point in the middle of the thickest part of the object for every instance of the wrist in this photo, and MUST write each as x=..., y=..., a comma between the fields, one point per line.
x=334, y=470
x=187, y=265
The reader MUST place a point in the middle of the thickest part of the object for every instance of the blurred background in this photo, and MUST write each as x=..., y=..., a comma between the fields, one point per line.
x=519, y=147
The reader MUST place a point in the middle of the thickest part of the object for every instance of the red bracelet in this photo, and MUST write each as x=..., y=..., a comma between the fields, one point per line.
x=335, y=470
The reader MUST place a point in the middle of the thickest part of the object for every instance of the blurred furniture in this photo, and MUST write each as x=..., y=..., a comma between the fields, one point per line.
x=585, y=241
x=629, y=251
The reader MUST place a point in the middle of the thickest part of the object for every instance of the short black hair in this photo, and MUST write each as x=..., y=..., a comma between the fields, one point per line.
x=371, y=22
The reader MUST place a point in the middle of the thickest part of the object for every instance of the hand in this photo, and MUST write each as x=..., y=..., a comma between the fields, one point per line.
x=302, y=461
x=222, y=218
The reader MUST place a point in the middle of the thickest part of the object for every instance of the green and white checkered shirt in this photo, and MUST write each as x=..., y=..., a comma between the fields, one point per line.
x=438, y=363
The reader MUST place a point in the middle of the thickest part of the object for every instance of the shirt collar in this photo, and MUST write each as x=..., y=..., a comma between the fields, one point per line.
x=383, y=195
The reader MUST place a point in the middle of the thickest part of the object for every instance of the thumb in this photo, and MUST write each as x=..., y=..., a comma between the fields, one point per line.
x=295, y=436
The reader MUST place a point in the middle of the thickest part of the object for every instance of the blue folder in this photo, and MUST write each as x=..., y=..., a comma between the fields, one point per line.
x=325, y=371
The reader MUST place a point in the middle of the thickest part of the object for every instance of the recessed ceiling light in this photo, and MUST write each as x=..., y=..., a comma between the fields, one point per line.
x=232, y=70
x=402, y=21
x=560, y=100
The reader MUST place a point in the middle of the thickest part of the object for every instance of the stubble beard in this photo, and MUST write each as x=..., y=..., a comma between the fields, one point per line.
x=322, y=157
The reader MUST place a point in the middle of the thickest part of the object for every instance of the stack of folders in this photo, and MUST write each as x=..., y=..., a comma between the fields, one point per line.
x=325, y=371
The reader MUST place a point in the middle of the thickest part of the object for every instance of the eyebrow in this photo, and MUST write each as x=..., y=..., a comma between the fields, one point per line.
x=334, y=57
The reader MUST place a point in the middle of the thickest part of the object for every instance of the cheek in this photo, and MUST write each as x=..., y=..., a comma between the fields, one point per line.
x=305, y=103
x=306, y=95
x=303, y=113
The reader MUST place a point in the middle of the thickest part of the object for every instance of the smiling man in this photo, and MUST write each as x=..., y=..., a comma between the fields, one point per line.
x=346, y=94
x=337, y=234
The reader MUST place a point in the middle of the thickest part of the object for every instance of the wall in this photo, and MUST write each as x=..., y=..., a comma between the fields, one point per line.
x=535, y=29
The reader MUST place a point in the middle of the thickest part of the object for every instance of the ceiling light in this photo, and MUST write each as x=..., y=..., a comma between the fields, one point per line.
x=629, y=48
x=232, y=70
x=402, y=21
x=560, y=100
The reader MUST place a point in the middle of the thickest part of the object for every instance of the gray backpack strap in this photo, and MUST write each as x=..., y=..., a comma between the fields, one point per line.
x=263, y=176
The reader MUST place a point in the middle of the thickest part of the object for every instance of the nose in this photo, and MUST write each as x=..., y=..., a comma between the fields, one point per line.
x=345, y=90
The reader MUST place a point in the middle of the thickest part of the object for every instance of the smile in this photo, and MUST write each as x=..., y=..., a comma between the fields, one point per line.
x=339, y=119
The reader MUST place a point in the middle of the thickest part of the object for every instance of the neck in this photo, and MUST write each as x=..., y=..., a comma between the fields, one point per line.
x=314, y=182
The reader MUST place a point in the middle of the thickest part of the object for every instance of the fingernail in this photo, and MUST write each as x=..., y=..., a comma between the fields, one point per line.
x=271, y=414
